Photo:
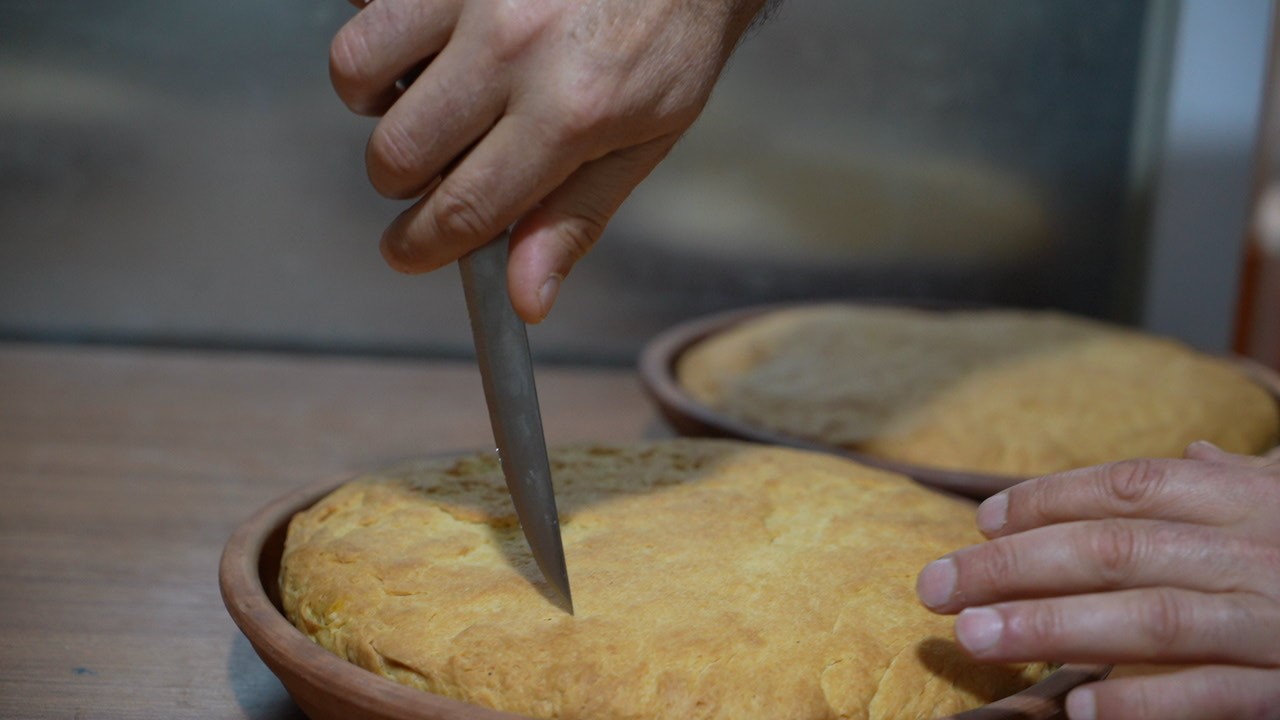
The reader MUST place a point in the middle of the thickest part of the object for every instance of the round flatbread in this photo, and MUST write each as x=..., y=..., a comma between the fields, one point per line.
x=1007, y=392
x=711, y=579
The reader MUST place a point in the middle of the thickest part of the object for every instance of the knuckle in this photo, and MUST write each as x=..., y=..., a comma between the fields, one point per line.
x=514, y=27
x=1117, y=549
x=1132, y=483
x=1039, y=626
x=459, y=213
x=1162, y=624
x=579, y=236
x=1034, y=505
x=348, y=58
x=1140, y=701
x=345, y=56
x=581, y=106
x=585, y=111
x=393, y=159
x=998, y=563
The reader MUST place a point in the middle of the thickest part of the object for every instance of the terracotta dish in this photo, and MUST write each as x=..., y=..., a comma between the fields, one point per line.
x=688, y=416
x=328, y=687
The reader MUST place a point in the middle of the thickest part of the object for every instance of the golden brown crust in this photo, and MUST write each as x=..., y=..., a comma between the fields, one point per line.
x=712, y=579
x=1016, y=393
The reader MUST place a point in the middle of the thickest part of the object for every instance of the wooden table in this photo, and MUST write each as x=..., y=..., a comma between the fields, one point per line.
x=123, y=472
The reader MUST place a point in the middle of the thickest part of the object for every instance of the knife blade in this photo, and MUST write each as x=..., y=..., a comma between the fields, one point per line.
x=506, y=371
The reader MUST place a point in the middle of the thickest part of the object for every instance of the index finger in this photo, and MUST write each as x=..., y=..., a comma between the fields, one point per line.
x=1159, y=489
x=513, y=167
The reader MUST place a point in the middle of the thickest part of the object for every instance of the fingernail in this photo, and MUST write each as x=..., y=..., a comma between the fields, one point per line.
x=992, y=513
x=936, y=583
x=1201, y=447
x=979, y=629
x=1082, y=705
x=547, y=293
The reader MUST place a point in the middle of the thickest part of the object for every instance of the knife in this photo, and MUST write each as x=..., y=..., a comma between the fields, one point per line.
x=506, y=370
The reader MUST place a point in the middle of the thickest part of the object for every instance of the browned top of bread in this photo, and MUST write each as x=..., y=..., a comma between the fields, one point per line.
x=1017, y=393
x=712, y=579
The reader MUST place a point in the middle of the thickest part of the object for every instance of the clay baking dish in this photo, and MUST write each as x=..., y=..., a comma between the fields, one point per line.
x=690, y=417
x=327, y=687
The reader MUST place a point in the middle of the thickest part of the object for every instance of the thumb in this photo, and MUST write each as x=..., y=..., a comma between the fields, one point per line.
x=550, y=239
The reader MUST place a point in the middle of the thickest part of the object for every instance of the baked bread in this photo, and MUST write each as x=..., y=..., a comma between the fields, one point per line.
x=711, y=579
x=1006, y=392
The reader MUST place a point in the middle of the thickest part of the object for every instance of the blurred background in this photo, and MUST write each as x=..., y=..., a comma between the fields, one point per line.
x=180, y=173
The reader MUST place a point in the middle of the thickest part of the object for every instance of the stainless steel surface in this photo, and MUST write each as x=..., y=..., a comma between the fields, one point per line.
x=181, y=172
x=506, y=369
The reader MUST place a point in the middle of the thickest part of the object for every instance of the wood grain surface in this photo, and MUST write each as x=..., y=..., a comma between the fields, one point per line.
x=124, y=471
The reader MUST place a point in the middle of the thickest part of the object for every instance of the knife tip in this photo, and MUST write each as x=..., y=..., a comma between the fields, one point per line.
x=563, y=595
